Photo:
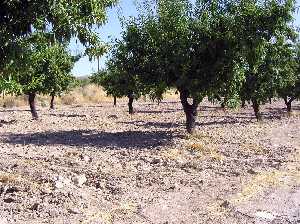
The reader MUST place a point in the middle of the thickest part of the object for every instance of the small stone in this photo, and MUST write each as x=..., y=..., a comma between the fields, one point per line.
x=87, y=159
x=46, y=190
x=35, y=206
x=14, y=166
x=225, y=204
x=79, y=180
x=60, y=182
x=155, y=161
x=265, y=215
x=9, y=200
x=74, y=211
x=251, y=171
x=113, y=116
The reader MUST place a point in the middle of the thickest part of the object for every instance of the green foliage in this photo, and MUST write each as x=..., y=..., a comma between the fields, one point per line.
x=10, y=86
x=174, y=47
x=291, y=90
x=264, y=33
x=215, y=49
x=42, y=67
x=63, y=19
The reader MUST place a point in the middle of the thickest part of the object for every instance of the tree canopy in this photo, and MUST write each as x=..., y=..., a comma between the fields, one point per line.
x=62, y=19
x=42, y=67
x=211, y=48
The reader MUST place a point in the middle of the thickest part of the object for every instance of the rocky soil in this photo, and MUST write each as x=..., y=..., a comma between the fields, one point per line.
x=98, y=164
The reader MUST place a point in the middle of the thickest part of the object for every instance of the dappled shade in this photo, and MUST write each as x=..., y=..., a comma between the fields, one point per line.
x=126, y=140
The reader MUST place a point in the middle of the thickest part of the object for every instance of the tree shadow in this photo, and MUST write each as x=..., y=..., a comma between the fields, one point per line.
x=68, y=115
x=152, y=124
x=94, y=106
x=223, y=122
x=158, y=111
x=14, y=110
x=210, y=108
x=169, y=102
x=3, y=122
x=127, y=140
x=282, y=110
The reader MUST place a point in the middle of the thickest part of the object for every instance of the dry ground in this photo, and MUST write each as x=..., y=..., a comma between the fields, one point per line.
x=145, y=169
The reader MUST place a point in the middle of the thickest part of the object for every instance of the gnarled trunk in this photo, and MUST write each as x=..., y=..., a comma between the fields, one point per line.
x=130, y=102
x=289, y=106
x=31, y=100
x=190, y=110
x=255, y=106
x=288, y=103
x=52, y=102
x=115, y=101
x=243, y=104
x=223, y=104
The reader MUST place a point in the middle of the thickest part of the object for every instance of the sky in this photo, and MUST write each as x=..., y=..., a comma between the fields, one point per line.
x=112, y=30
x=109, y=32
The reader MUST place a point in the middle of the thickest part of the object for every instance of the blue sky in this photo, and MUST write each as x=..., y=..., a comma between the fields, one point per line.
x=111, y=30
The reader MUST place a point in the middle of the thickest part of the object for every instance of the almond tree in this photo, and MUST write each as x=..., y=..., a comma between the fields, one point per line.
x=45, y=68
x=263, y=33
x=65, y=19
x=176, y=48
x=291, y=91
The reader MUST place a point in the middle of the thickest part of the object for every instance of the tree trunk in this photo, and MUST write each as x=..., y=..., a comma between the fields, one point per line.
x=243, y=103
x=223, y=104
x=115, y=101
x=52, y=102
x=31, y=100
x=190, y=111
x=255, y=106
x=289, y=106
x=130, y=101
x=288, y=103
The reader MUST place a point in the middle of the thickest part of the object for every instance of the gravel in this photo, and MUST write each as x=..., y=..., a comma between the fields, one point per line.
x=98, y=164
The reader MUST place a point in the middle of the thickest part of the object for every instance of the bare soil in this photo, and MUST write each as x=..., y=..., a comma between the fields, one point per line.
x=144, y=168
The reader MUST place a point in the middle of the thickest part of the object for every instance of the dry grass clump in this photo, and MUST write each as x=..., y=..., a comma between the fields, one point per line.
x=257, y=185
x=94, y=94
x=203, y=145
x=88, y=94
x=18, y=180
x=253, y=148
x=71, y=98
x=124, y=209
x=10, y=101
x=202, y=150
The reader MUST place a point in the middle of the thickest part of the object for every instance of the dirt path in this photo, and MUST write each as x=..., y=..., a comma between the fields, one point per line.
x=97, y=164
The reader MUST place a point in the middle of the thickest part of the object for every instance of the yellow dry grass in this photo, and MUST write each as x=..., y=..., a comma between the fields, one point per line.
x=253, y=148
x=88, y=94
x=101, y=216
x=125, y=208
x=10, y=101
x=203, y=145
x=288, y=177
x=19, y=180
